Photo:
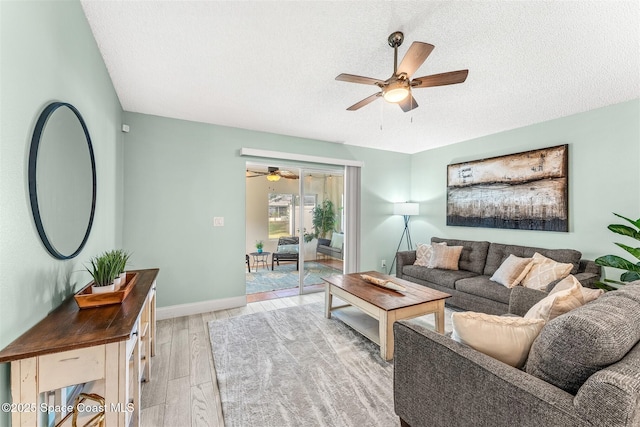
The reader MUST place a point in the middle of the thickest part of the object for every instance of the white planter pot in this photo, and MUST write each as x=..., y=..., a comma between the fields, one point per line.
x=123, y=278
x=117, y=282
x=102, y=289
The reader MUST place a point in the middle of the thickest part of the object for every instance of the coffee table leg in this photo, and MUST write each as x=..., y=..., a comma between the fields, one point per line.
x=439, y=314
x=328, y=300
x=385, y=329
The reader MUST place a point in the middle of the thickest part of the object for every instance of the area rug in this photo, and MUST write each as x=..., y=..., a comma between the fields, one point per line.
x=294, y=367
x=285, y=276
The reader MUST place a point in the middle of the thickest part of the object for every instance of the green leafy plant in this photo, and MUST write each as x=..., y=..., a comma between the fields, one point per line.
x=323, y=219
x=104, y=269
x=632, y=272
x=259, y=244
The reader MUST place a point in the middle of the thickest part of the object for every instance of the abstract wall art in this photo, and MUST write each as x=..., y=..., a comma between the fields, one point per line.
x=518, y=191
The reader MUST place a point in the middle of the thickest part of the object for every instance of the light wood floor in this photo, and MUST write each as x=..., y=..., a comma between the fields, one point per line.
x=183, y=390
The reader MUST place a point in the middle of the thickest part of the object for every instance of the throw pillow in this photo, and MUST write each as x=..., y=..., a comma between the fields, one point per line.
x=445, y=257
x=512, y=271
x=337, y=239
x=423, y=253
x=555, y=304
x=507, y=339
x=544, y=271
x=568, y=282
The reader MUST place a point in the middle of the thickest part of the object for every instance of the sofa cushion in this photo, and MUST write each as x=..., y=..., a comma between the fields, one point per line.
x=446, y=278
x=512, y=271
x=572, y=347
x=507, y=339
x=445, y=257
x=484, y=287
x=557, y=303
x=544, y=271
x=498, y=252
x=473, y=256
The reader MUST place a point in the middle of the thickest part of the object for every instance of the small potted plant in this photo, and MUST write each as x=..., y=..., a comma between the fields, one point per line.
x=259, y=246
x=121, y=258
x=104, y=271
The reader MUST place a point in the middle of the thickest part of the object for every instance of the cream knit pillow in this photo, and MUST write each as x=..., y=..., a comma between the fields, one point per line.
x=507, y=339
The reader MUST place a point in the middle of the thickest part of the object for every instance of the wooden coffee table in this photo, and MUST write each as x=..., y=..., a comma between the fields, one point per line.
x=384, y=304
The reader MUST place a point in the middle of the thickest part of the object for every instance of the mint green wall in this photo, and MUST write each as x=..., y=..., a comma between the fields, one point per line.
x=47, y=53
x=181, y=174
x=604, y=177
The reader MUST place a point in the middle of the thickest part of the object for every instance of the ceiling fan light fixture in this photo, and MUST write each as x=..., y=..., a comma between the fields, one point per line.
x=273, y=177
x=396, y=91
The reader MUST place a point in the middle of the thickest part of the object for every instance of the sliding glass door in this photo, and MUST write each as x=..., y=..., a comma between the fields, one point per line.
x=324, y=227
x=298, y=215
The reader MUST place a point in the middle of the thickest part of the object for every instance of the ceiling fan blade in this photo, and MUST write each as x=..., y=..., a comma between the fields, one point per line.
x=408, y=104
x=364, y=102
x=352, y=78
x=450, y=78
x=414, y=58
x=288, y=174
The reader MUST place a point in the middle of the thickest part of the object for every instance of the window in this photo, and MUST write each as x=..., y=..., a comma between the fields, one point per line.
x=284, y=217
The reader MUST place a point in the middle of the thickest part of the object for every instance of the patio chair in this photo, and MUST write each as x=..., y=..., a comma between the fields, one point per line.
x=287, y=250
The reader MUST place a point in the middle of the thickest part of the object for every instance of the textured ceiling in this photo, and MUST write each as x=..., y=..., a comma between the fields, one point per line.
x=271, y=66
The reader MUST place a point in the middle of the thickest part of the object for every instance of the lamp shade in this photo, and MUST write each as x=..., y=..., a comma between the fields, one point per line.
x=406, y=208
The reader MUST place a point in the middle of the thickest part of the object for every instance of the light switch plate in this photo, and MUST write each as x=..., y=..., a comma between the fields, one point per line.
x=218, y=221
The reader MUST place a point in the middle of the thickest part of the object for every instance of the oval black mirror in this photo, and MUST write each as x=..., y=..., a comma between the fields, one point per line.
x=62, y=180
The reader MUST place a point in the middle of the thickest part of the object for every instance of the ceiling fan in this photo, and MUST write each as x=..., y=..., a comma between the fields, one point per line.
x=397, y=88
x=272, y=174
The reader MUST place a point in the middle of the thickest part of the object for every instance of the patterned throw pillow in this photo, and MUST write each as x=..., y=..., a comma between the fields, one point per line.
x=555, y=304
x=544, y=271
x=445, y=257
x=507, y=339
x=512, y=271
x=423, y=253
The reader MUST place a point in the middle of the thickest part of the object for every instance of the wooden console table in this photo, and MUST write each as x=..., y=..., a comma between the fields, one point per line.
x=108, y=348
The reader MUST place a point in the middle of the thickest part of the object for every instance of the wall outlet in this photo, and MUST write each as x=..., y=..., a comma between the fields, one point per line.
x=218, y=221
x=383, y=263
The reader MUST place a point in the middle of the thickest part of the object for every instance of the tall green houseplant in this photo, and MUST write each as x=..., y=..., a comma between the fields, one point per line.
x=632, y=272
x=323, y=219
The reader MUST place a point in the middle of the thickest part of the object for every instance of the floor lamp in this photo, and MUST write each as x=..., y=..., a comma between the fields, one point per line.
x=406, y=210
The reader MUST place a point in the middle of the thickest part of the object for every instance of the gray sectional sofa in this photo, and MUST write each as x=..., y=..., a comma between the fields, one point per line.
x=470, y=286
x=583, y=369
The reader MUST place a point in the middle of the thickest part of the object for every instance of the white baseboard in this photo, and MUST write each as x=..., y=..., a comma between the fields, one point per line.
x=199, y=307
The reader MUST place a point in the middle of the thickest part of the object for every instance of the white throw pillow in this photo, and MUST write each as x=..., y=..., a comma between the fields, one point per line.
x=544, y=271
x=336, y=240
x=555, y=304
x=568, y=282
x=423, y=253
x=505, y=338
x=445, y=257
x=512, y=271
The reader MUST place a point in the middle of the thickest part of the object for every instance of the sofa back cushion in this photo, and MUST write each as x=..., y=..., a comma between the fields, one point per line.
x=473, y=256
x=498, y=252
x=583, y=341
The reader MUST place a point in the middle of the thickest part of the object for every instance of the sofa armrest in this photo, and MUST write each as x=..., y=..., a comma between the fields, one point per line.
x=404, y=258
x=440, y=382
x=522, y=299
x=587, y=280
